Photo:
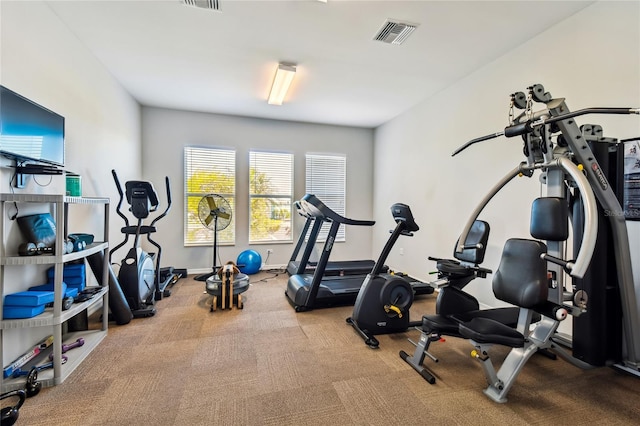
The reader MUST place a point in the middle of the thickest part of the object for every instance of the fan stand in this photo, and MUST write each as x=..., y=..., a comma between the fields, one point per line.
x=204, y=277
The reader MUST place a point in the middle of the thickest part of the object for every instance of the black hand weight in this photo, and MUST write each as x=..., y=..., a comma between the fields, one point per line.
x=27, y=249
x=10, y=414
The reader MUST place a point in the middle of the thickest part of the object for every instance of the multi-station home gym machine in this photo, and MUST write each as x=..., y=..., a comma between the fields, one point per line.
x=581, y=171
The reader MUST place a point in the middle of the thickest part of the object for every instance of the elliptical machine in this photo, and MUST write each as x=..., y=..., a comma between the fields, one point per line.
x=382, y=305
x=139, y=275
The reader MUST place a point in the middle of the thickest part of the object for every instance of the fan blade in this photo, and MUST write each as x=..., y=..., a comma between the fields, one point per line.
x=208, y=220
x=212, y=203
x=223, y=215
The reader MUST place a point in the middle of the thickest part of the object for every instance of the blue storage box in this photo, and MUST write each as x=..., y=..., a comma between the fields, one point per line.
x=74, y=275
x=67, y=291
x=70, y=270
x=29, y=298
x=77, y=284
x=18, y=312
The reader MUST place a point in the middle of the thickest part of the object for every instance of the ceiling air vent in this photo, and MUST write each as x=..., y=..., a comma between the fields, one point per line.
x=395, y=32
x=203, y=4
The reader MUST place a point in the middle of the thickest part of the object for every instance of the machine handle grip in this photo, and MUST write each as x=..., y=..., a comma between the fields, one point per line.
x=476, y=140
x=567, y=265
x=117, y=181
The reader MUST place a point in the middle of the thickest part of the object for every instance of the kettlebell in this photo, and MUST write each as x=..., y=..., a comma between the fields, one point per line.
x=10, y=414
x=32, y=385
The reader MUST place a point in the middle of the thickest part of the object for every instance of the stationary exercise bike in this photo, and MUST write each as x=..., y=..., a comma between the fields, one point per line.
x=383, y=303
x=139, y=273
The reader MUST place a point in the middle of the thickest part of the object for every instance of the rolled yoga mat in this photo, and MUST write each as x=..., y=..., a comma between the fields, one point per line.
x=120, y=310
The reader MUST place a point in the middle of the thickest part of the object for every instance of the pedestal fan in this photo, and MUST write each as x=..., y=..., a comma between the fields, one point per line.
x=214, y=212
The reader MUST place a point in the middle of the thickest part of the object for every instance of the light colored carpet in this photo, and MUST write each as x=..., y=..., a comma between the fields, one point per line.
x=268, y=365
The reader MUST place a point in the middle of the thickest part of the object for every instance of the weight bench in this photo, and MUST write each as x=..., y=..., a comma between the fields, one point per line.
x=453, y=305
x=521, y=280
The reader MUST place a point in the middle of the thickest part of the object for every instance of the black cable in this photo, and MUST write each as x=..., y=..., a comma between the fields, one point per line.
x=40, y=184
x=13, y=178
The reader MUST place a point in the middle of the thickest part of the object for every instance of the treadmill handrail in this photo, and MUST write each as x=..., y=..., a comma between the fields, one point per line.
x=316, y=208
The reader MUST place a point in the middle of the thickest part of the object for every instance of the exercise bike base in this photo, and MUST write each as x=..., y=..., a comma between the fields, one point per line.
x=369, y=338
x=420, y=369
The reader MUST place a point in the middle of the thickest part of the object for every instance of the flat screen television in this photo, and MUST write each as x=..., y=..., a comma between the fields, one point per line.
x=28, y=131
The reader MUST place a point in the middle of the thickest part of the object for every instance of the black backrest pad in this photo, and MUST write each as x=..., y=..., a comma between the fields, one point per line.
x=521, y=278
x=478, y=237
x=550, y=219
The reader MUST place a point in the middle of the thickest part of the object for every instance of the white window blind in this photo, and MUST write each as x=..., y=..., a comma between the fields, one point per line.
x=326, y=176
x=271, y=196
x=208, y=171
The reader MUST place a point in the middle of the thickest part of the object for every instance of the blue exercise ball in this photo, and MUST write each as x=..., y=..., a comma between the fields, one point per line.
x=249, y=262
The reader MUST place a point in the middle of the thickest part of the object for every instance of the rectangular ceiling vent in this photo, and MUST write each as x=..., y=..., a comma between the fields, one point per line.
x=203, y=4
x=395, y=32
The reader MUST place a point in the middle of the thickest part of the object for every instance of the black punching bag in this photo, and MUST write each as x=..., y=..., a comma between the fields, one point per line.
x=120, y=310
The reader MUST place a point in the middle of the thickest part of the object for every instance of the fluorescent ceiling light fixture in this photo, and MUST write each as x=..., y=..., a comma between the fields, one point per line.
x=281, y=82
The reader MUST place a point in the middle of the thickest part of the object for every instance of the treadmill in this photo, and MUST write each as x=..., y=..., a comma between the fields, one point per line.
x=309, y=291
x=333, y=268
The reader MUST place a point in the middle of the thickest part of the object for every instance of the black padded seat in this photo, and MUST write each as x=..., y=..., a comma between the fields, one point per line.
x=507, y=316
x=440, y=324
x=453, y=269
x=485, y=330
x=449, y=324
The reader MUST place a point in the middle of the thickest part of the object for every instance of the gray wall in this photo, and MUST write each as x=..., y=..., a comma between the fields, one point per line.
x=42, y=60
x=166, y=132
x=591, y=59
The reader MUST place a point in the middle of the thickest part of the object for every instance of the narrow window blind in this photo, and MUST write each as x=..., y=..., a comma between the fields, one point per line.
x=208, y=171
x=326, y=179
x=271, y=196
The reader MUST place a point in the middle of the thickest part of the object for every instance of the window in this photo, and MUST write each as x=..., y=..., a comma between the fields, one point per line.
x=270, y=196
x=208, y=171
x=326, y=179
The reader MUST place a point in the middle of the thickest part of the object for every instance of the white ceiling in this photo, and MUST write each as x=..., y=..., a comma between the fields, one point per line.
x=167, y=54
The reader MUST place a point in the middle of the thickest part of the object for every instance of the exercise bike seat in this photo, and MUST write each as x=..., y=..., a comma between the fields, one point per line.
x=453, y=269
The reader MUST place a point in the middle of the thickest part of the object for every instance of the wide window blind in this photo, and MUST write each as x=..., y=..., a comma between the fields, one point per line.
x=208, y=171
x=271, y=196
x=326, y=179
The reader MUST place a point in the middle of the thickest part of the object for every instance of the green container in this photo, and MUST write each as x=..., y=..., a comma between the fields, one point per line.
x=74, y=185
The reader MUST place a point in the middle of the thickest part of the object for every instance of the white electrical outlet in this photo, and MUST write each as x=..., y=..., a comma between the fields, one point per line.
x=269, y=251
x=401, y=251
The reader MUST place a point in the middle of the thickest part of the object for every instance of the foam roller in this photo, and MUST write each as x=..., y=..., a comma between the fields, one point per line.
x=120, y=310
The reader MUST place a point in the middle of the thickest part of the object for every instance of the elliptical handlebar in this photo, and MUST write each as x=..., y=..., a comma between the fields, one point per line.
x=153, y=207
x=121, y=193
x=164, y=213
